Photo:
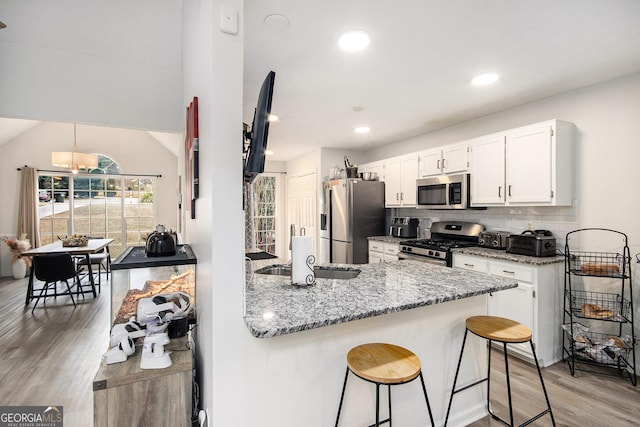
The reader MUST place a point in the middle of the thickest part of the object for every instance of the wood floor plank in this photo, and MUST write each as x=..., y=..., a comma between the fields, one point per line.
x=51, y=356
x=586, y=399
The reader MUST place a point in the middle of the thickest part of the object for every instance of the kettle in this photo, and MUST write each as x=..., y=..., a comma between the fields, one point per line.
x=160, y=243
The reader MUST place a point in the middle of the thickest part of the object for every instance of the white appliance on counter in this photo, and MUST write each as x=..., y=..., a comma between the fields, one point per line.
x=352, y=210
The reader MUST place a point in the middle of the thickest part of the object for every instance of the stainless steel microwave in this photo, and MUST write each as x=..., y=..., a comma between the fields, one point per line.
x=443, y=192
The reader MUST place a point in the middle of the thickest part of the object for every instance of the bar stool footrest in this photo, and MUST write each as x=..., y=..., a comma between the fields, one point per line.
x=388, y=420
x=470, y=385
x=526, y=423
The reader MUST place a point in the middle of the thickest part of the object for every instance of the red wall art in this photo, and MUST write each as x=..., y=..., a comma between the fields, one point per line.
x=191, y=147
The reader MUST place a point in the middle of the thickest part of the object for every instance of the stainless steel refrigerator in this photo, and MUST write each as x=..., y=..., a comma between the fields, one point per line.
x=351, y=211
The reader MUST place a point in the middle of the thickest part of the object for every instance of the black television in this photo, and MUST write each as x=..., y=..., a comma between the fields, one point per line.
x=259, y=132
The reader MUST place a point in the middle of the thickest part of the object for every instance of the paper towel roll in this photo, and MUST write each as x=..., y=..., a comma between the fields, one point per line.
x=302, y=261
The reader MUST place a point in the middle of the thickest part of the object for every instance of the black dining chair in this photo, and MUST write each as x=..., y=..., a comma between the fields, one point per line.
x=51, y=269
x=101, y=259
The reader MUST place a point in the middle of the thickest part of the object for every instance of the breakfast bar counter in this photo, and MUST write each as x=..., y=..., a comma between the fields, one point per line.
x=275, y=307
x=300, y=336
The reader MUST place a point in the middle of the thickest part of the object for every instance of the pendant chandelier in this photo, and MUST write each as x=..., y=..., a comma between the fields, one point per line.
x=74, y=160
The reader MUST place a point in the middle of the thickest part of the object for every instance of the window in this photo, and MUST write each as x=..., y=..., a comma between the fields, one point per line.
x=262, y=211
x=97, y=204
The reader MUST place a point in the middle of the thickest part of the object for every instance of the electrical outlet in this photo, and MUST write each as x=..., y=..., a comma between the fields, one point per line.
x=530, y=226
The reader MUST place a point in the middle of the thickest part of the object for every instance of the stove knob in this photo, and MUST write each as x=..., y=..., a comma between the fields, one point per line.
x=481, y=242
x=431, y=253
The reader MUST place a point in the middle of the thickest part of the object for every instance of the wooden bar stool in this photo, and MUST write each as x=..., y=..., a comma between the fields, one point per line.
x=383, y=364
x=505, y=331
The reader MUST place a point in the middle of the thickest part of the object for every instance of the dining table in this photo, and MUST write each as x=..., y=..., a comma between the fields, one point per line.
x=93, y=246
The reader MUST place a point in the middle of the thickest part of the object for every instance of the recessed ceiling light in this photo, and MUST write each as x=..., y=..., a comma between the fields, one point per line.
x=273, y=118
x=362, y=129
x=353, y=41
x=484, y=79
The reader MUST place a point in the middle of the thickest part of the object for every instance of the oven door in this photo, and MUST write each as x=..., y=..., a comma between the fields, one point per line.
x=403, y=255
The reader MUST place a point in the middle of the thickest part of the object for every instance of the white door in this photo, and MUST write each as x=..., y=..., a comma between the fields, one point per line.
x=302, y=206
x=309, y=214
x=529, y=164
x=487, y=171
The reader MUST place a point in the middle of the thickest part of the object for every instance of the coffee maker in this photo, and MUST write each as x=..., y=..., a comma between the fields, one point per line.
x=405, y=227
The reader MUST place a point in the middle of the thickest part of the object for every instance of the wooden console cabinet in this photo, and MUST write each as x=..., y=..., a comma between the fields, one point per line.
x=125, y=395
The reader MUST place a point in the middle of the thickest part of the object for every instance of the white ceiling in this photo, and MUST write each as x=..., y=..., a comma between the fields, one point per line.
x=414, y=76
x=144, y=31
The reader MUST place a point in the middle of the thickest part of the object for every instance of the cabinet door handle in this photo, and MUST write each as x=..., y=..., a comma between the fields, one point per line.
x=438, y=167
x=397, y=196
x=500, y=191
x=508, y=272
x=444, y=163
x=469, y=265
x=509, y=190
x=401, y=198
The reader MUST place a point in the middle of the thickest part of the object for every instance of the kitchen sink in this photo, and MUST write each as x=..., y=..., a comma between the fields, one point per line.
x=322, y=272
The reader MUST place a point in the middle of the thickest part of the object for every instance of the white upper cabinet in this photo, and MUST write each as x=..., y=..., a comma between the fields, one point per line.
x=444, y=160
x=487, y=170
x=455, y=159
x=376, y=167
x=527, y=166
x=431, y=162
x=400, y=175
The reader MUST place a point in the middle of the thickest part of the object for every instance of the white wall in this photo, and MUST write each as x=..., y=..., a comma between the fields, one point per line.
x=212, y=70
x=607, y=154
x=135, y=151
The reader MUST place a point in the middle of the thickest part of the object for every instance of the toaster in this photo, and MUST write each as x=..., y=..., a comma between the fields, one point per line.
x=404, y=227
x=538, y=243
x=493, y=239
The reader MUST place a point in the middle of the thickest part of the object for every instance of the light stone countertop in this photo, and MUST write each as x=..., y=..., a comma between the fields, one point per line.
x=389, y=239
x=275, y=307
x=498, y=254
x=502, y=255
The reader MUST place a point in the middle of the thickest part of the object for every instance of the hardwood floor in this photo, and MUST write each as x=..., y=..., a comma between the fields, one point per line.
x=50, y=357
x=587, y=399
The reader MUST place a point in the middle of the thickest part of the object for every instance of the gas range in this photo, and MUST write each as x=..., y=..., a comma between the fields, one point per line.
x=445, y=236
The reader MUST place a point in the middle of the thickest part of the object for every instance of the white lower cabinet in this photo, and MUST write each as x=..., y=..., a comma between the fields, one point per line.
x=382, y=251
x=536, y=302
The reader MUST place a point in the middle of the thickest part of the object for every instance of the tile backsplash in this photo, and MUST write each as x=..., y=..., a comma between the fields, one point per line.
x=558, y=219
